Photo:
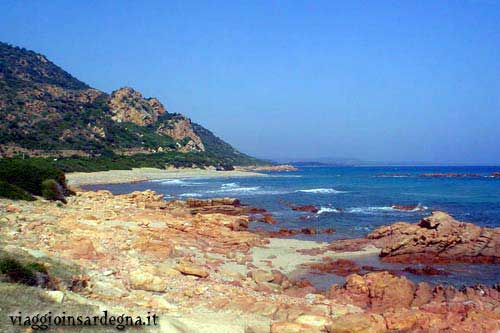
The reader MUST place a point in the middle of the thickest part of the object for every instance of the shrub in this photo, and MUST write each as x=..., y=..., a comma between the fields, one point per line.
x=14, y=192
x=29, y=174
x=51, y=190
x=19, y=273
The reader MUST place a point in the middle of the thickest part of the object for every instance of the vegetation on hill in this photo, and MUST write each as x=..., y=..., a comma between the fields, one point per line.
x=45, y=110
x=14, y=192
x=222, y=150
x=20, y=179
x=111, y=161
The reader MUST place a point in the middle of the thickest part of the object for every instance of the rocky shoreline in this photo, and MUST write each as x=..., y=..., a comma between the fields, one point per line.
x=196, y=265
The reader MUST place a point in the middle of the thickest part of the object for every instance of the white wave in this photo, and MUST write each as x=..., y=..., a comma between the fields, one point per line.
x=190, y=195
x=235, y=189
x=284, y=176
x=172, y=182
x=229, y=185
x=368, y=210
x=321, y=191
x=328, y=210
x=377, y=209
x=177, y=182
x=371, y=210
x=417, y=208
x=392, y=176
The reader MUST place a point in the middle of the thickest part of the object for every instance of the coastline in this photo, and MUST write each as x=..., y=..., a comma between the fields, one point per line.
x=145, y=174
x=196, y=264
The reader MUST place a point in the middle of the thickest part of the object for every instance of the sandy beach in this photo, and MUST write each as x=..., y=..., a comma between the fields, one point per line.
x=144, y=174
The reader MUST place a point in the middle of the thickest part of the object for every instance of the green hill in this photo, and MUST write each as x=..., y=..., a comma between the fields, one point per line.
x=46, y=112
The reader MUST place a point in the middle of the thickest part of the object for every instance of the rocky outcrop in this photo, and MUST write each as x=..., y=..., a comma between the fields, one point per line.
x=225, y=206
x=128, y=105
x=402, y=305
x=438, y=239
x=408, y=208
x=138, y=252
x=306, y=208
x=426, y=270
x=181, y=129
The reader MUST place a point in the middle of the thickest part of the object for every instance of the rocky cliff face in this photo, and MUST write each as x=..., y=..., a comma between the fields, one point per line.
x=128, y=105
x=46, y=111
x=181, y=129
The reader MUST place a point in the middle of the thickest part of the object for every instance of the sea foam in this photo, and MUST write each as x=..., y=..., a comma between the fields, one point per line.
x=321, y=191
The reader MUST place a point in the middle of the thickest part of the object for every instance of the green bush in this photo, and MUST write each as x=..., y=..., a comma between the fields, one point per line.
x=51, y=190
x=29, y=174
x=14, y=192
x=19, y=273
x=35, y=176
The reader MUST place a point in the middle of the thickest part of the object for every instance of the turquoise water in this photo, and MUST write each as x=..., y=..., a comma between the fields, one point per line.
x=355, y=200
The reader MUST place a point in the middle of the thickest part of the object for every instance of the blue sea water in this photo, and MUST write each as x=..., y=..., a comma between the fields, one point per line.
x=356, y=200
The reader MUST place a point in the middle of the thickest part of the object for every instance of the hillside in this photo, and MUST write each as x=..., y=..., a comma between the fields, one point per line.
x=45, y=111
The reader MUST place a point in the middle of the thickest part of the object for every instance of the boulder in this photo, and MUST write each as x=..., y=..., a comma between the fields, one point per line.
x=79, y=247
x=56, y=296
x=438, y=238
x=260, y=276
x=358, y=323
x=375, y=290
x=292, y=327
x=192, y=269
x=142, y=280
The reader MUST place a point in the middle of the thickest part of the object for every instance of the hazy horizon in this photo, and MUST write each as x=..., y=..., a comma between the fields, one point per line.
x=390, y=82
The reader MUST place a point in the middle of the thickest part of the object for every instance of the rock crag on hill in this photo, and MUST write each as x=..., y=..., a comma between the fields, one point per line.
x=128, y=105
x=45, y=111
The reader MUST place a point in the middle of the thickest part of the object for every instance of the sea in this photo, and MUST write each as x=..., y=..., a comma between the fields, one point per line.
x=354, y=201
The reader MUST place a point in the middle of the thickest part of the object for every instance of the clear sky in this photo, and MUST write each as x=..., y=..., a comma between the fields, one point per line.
x=374, y=80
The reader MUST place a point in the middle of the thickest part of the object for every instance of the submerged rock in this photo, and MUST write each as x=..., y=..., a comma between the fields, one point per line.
x=306, y=208
x=427, y=270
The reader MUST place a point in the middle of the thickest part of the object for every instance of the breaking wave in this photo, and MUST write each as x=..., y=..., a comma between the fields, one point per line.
x=190, y=195
x=328, y=210
x=372, y=209
x=321, y=191
x=235, y=189
x=177, y=182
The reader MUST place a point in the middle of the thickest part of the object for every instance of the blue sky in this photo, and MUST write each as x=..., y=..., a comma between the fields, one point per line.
x=375, y=80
